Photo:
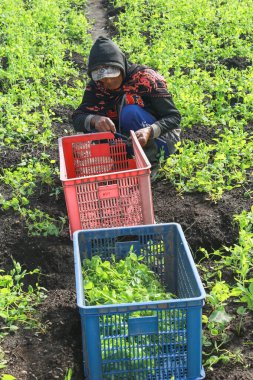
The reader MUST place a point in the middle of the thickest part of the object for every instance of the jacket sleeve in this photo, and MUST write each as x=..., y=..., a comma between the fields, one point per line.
x=82, y=116
x=81, y=119
x=167, y=115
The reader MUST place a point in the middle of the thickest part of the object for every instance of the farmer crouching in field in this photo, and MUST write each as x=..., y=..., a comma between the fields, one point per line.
x=122, y=96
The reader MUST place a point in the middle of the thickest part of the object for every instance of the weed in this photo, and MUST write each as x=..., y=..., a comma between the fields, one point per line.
x=69, y=374
x=18, y=305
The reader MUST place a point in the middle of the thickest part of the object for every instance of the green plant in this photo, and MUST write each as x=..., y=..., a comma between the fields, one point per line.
x=242, y=312
x=211, y=168
x=236, y=262
x=127, y=280
x=123, y=281
x=225, y=356
x=3, y=361
x=17, y=305
x=247, y=293
x=218, y=321
x=23, y=180
x=7, y=377
x=69, y=374
x=39, y=223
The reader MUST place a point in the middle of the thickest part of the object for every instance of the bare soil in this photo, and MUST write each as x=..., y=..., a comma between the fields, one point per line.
x=47, y=356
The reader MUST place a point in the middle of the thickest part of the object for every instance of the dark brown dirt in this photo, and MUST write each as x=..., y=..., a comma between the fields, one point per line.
x=47, y=356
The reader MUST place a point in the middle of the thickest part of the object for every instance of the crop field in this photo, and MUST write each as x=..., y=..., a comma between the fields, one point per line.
x=204, y=49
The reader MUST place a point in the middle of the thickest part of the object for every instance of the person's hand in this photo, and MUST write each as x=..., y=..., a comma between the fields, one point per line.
x=143, y=135
x=103, y=124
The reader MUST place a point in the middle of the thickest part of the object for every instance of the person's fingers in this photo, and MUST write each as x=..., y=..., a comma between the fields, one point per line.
x=142, y=141
x=105, y=124
x=143, y=135
x=103, y=128
x=111, y=124
x=141, y=138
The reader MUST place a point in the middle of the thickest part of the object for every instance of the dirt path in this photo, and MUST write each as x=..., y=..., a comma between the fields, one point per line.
x=97, y=15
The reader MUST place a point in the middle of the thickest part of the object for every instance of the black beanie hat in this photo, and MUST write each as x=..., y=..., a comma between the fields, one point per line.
x=106, y=52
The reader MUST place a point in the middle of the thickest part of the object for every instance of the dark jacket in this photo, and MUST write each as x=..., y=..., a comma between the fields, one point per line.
x=140, y=82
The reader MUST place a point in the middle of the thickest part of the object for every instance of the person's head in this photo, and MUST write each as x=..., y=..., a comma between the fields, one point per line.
x=107, y=63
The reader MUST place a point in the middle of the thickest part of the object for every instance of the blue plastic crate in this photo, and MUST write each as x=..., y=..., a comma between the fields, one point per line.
x=164, y=345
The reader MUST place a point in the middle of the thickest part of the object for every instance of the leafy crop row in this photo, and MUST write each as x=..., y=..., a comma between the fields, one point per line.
x=237, y=286
x=212, y=168
x=192, y=40
x=18, y=305
x=36, y=38
x=204, y=50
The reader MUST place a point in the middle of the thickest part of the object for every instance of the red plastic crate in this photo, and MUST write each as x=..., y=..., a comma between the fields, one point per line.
x=102, y=186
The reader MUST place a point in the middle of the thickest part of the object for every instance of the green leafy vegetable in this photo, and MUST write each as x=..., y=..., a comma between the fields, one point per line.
x=125, y=281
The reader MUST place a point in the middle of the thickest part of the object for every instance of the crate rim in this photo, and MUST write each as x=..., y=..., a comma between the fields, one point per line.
x=171, y=303
x=97, y=177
